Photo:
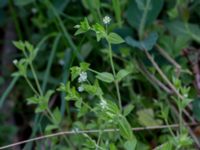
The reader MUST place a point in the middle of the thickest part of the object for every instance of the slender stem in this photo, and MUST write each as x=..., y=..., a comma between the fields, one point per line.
x=36, y=79
x=8, y=90
x=162, y=74
x=94, y=131
x=88, y=106
x=170, y=129
x=53, y=119
x=47, y=71
x=34, y=75
x=180, y=117
x=168, y=57
x=195, y=138
x=60, y=23
x=152, y=78
x=31, y=86
x=114, y=73
x=164, y=77
x=52, y=116
x=94, y=71
x=38, y=117
x=99, y=139
x=143, y=20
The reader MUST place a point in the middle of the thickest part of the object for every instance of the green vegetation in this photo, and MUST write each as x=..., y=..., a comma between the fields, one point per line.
x=100, y=74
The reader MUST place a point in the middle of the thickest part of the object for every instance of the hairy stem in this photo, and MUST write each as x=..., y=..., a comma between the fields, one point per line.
x=114, y=73
x=36, y=78
x=31, y=86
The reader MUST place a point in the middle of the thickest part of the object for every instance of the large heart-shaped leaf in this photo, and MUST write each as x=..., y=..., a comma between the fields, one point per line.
x=178, y=28
x=196, y=108
x=145, y=11
x=146, y=44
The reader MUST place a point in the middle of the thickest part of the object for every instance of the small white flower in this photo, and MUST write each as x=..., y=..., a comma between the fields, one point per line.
x=103, y=104
x=106, y=20
x=82, y=77
x=61, y=62
x=15, y=61
x=80, y=88
x=34, y=10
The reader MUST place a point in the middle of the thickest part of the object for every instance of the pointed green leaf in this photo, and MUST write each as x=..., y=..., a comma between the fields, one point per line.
x=75, y=72
x=57, y=116
x=128, y=109
x=121, y=74
x=114, y=38
x=105, y=77
x=84, y=66
x=49, y=128
x=20, y=45
x=130, y=144
x=125, y=128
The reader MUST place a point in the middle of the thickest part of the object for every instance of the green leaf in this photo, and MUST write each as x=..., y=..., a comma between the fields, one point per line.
x=48, y=95
x=92, y=89
x=114, y=38
x=99, y=30
x=20, y=45
x=33, y=100
x=41, y=108
x=84, y=66
x=82, y=110
x=29, y=46
x=57, y=116
x=128, y=109
x=143, y=11
x=147, y=43
x=72, y=94
x=83, y=27
x=146, y=118
x=112, y=146
x=121, y=74
x=125, y=128
x=178, y=28
x=78, y=104
x=49, y=128
x=174, y=46
x=75, y=72
x=165, y=146
x=185, y=102
x=112, y=108
x=196, y=108
x=105, y=77
x=91, y=4
x=130, y=144
x=23, y=2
